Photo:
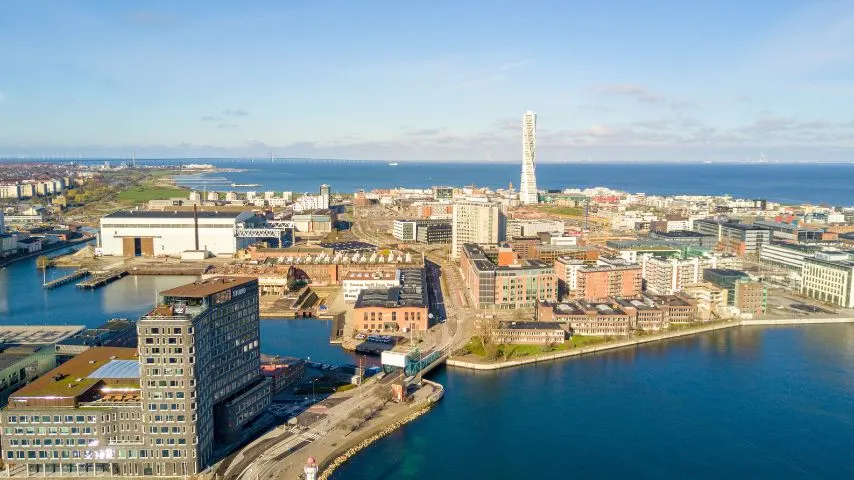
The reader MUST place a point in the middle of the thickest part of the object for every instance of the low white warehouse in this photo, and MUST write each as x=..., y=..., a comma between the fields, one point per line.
x=132, y=233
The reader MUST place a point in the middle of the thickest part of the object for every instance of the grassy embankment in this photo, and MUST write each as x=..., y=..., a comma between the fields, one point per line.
x=509, y=352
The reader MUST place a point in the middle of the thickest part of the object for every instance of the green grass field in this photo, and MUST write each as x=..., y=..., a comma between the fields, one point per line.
x=567, y=211
x=475, y=347
x=146, y=193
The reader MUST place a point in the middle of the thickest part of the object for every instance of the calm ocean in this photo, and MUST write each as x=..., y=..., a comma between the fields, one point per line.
x=788, y=183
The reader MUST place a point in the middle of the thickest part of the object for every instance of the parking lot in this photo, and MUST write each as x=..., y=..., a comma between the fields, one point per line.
x=784, y=304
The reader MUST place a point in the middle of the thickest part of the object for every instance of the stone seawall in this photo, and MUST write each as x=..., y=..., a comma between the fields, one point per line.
x=365, y=439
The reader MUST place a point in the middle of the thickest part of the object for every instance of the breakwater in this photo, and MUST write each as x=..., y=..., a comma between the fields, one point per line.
x=346, y=452
x=640, y=341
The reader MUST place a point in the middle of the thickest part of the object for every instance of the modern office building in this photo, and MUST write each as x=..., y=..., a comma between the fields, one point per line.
x=443, y=193
x=829, y=277
x=405, y=230
x=423, y=230
x=478, y=223
x=117, y=332
x=206, y=335
x=787, y=256
x=732, y=237
x=528, y=184
x=395, y=309
x=743, y=293
x=156, y=410
x=532, y=228
x=435, y=231
x=790, y=232
x=497, y=278
x=132, y=233
x=685, y=237
x=21, y=364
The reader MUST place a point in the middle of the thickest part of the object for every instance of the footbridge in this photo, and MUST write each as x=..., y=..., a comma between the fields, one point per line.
x=272, y=229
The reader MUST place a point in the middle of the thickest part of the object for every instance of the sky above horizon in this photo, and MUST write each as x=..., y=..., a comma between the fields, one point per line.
x=643, y=80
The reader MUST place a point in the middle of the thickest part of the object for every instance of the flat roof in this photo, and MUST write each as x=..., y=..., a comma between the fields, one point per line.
x=371, y=275
x=681, y=234
x=412, y=292
x=15, y=353
x=175, y=214
x=32, y=334
x=63, y=381
x=348, y=246
x=511, y=325
x=209, y=286
x=726, y=272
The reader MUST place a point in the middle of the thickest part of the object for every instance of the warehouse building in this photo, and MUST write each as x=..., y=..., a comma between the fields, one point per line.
x=131, y=233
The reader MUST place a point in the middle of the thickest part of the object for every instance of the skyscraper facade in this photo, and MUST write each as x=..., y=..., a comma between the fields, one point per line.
x=528, y=186
x=193, y=384
x=476, y=222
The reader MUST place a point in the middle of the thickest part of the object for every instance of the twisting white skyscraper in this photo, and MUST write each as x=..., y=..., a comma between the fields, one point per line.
x=528, y=187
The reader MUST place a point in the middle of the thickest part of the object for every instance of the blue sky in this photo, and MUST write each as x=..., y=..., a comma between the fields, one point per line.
x=631, y=80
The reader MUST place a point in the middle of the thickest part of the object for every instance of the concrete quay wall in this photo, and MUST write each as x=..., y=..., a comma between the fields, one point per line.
x=797, y=321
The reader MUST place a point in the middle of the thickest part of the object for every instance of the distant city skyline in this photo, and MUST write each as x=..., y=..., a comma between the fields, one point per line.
x=443, y=81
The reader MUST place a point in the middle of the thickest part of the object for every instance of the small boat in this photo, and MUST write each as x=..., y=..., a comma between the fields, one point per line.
x=392, y=164
x=245, y=184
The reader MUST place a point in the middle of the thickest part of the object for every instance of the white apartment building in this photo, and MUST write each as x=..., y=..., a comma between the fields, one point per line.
x=667, y=276
x=10, y=190
x=476, y=222
x=405, y=230
x=152, y=233
x=355, y=282
x=311, y=202
x=829, y=277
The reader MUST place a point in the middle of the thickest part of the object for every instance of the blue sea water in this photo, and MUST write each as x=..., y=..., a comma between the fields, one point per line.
x=788, y=183
x=23, y=301
x=746, y=403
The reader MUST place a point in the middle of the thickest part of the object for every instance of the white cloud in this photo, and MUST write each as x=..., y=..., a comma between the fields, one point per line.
x=235, y=112
x=638, y=92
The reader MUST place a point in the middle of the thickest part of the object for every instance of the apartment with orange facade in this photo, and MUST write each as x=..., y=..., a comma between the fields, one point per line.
x=395, y=309
x=619, y=279
x=498, y=278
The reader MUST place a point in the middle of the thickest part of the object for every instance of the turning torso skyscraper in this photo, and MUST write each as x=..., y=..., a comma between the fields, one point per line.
x=528, y=187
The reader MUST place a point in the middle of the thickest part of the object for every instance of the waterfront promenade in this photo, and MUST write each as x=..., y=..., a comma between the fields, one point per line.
x=548, y=357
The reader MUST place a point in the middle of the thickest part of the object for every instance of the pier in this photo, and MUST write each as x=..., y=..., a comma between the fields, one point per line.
x=80, y=273
x=102, y=278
